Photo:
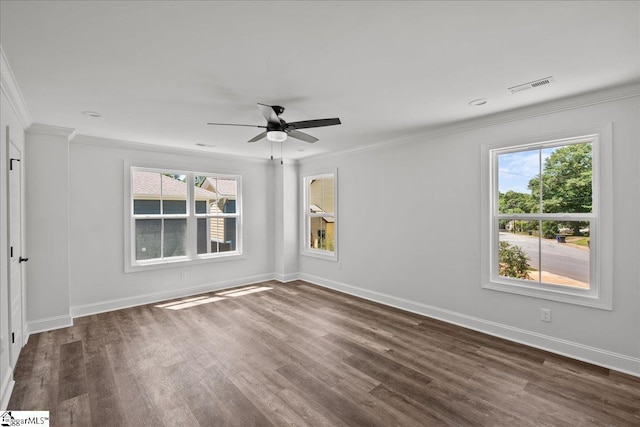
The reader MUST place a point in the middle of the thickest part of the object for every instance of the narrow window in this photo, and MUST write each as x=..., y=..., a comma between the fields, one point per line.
x=320, y=227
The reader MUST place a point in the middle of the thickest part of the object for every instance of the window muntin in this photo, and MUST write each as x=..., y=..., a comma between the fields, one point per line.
x=182, y=216
x=544, y=210
x=320, y=228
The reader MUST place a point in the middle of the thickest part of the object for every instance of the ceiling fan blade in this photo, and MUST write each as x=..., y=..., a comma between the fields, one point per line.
x=301, y=136
x=258, y=137
x=269, y=113
x=235, y=124
x=305, y=124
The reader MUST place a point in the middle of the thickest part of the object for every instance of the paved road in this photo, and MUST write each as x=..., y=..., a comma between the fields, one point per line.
x=557, y=258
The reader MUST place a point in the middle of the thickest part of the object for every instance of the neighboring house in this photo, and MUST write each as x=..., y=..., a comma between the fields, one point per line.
x=224, y=231
x=152, y=188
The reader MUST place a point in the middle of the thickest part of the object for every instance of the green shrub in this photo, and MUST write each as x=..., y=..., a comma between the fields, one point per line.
x=513, y=261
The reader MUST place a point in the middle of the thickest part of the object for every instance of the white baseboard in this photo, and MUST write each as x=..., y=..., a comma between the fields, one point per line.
x=596, y=356
x=7, y=389
x=117, y=304
x=284, y=278
x=49, y=324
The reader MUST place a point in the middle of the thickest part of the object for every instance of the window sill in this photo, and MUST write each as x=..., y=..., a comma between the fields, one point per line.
x=332, y=256
x=586, y=298
x=182, y=262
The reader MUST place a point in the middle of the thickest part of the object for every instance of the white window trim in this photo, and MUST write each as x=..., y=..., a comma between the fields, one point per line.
x=191, y=258
x=306, y=249
x=600, y=294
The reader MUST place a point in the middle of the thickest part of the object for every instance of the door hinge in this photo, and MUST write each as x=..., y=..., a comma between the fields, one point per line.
x=13, y=338
x=11, y=163
x=11, y=251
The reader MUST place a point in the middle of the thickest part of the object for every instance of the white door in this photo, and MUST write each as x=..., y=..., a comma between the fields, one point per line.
x=15, y=251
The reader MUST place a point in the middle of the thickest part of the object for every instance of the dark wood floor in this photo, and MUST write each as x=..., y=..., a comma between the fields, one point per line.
x=297, y=354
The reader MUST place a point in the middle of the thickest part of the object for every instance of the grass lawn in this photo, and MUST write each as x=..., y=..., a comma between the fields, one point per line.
x=578, y=240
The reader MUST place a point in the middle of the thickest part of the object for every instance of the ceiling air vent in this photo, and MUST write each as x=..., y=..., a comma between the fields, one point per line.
x=532, y=85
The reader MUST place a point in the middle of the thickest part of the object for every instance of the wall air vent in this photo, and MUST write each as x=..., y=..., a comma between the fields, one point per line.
x=532, y=85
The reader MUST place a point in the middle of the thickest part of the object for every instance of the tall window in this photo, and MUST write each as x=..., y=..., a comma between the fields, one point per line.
x=545, y=220
x=320, y=232
x=182, y=216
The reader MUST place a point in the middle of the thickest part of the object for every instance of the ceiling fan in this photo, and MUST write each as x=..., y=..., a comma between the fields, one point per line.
x=277, y=129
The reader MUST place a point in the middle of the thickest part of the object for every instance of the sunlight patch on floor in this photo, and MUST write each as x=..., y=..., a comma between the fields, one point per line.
x=205, y=299
x=232, y=291
x=241, y=292
x=194, y=303
x=180, y=301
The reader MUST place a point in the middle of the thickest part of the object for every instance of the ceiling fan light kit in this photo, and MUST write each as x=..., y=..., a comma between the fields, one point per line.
x=276, y=136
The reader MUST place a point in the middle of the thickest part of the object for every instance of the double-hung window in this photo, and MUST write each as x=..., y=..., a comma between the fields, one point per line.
x=319, y=206
x=545, y=212
x=182, y=216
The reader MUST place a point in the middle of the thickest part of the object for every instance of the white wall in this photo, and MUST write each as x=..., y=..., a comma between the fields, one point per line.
x=409, y=218
x=286, y=244
x=47, y=227
x=96, y=175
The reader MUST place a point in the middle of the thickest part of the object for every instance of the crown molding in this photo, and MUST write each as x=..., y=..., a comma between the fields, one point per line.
x=550, y=107
x=10, y=88
x=140, y=146
x=43, y=129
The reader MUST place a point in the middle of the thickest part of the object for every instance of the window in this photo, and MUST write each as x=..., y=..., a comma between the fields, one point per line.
x=320, y=231
x=217, y=214
x=182, y=216
x=545, y=214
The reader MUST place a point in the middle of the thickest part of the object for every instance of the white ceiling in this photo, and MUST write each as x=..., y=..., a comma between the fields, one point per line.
x=158, y=71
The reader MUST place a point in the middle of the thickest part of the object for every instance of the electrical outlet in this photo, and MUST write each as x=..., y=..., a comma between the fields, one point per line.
x=545, y=315
x=183, y=276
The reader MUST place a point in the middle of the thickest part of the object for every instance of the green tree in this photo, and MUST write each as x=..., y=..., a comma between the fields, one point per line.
x=514, y=202
x=513, y=261
x=566, y=186
x=566, y=180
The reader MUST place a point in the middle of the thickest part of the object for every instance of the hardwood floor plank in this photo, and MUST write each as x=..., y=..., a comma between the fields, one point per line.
x=316, y=390
x=298, y=354
x=394, y=375
x=74, y=412
x=72, y=376
x=26, y=360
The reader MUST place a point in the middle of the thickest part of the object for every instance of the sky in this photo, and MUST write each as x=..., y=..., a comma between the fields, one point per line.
x=515, y=170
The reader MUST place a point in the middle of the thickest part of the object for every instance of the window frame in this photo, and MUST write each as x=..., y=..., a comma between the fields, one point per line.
x=307, y=250
x=191, y=256
x=599, y=295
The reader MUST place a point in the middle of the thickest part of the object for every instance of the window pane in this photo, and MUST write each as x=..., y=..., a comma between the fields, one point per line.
x=219, y=194
x=201, y=207
x=146, y=192
x=322, y=233
x=518, y=250
x=217, y=235
x=174, y=194
x=567, y=179
x=321, y=195
x=565, y=253
x=516, y=175
x=147, y=237
x=175, y=237
x=146, y=207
